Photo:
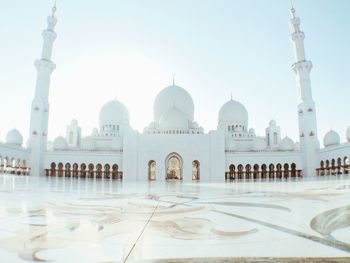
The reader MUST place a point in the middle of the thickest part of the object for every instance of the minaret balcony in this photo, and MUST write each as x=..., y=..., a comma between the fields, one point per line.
x=298, y=36
x=302, y=67
x=45, y=65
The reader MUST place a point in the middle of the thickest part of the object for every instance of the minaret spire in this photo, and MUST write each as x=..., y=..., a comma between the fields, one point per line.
x=40, y=103
x=306, y=108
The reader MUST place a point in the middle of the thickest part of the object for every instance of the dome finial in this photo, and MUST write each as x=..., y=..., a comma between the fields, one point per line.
x=231, y=96
x=173, y=79
x=54, y=8
x=292, y=9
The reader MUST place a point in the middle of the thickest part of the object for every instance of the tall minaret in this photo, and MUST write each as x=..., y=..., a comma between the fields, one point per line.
x=40, y=104
x=309, y=143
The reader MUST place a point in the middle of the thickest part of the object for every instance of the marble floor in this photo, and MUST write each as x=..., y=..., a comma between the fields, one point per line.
x=66, y=220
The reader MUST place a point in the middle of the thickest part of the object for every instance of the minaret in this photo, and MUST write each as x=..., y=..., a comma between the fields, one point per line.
x=40, y=104
x=306, y=106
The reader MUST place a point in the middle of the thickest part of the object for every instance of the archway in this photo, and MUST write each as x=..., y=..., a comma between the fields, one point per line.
x=75, y=170
x=174, y=167
x=152, y=166
x=60, y=169
x=293, y=170
x=195, y=170
x=53, y=169
x=279, y=171
x=286, y=170
x=346, y=165
x=115, y=169
x=91, y=172
x=240, y=171
x=107, y=171
x=99, y=171
x=83, y=170
x=271, y=171
x=248, y=171
x=231, y=173
x=68, y=172
x=256, y=171
x=263, y=171
x=339, y=166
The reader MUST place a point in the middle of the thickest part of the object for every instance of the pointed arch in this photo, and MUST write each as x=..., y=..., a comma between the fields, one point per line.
x=173, y=164
x=115, y=169
x=152, y=170
x=195, y=170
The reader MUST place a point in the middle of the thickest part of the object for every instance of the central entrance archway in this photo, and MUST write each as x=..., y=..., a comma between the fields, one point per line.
x=173, y=167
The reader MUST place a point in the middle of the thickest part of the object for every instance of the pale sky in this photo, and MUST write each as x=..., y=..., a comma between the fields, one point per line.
x=129, y=50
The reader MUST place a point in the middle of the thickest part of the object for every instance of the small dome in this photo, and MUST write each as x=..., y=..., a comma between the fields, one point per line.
x=60, y=144
x=259, y=144
x=331, y=138
x=88, y=143
x=272, y=123
x=173, y=119
x=286, y=144
x=14, y=137
x=114, y=112
x=233, y=112
x=348, y=134
x=170, y=96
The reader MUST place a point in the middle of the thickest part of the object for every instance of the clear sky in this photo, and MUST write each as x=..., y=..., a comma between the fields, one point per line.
x=129, y=50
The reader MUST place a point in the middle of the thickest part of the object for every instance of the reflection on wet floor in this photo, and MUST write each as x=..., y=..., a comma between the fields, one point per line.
x=63, y=220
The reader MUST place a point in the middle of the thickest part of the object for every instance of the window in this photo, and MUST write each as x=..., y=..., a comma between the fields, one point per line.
x=275, y=138
x=71, y=137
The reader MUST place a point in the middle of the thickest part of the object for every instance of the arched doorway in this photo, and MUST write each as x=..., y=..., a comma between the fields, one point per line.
x=195, y=170
x=152, y=166
x=53, y=169
x=115, y=169
x=174, y=167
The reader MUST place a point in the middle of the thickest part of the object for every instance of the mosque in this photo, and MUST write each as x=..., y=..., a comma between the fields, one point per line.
x=174, y=146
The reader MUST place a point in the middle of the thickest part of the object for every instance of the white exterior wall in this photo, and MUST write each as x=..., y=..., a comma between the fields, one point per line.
x=334, y=152
x=208, y=149
x=14, y=152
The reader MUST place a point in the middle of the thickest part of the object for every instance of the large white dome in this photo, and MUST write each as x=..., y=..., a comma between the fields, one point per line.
x=286, y=144
x=173, y=119
x=331, y=138
x=60, y=144
x=173, y=96
x=14, y=137
x=233, y=112
x=114, y=112
x=348, y=134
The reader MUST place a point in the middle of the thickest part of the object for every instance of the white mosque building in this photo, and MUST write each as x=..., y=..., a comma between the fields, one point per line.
x=174, y=146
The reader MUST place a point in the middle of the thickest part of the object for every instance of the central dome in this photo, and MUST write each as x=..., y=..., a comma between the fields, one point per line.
x=173, y=96
x=233, y=112
x=114, y=112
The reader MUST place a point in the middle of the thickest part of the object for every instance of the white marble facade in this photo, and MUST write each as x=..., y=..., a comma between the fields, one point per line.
x=232, y=151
